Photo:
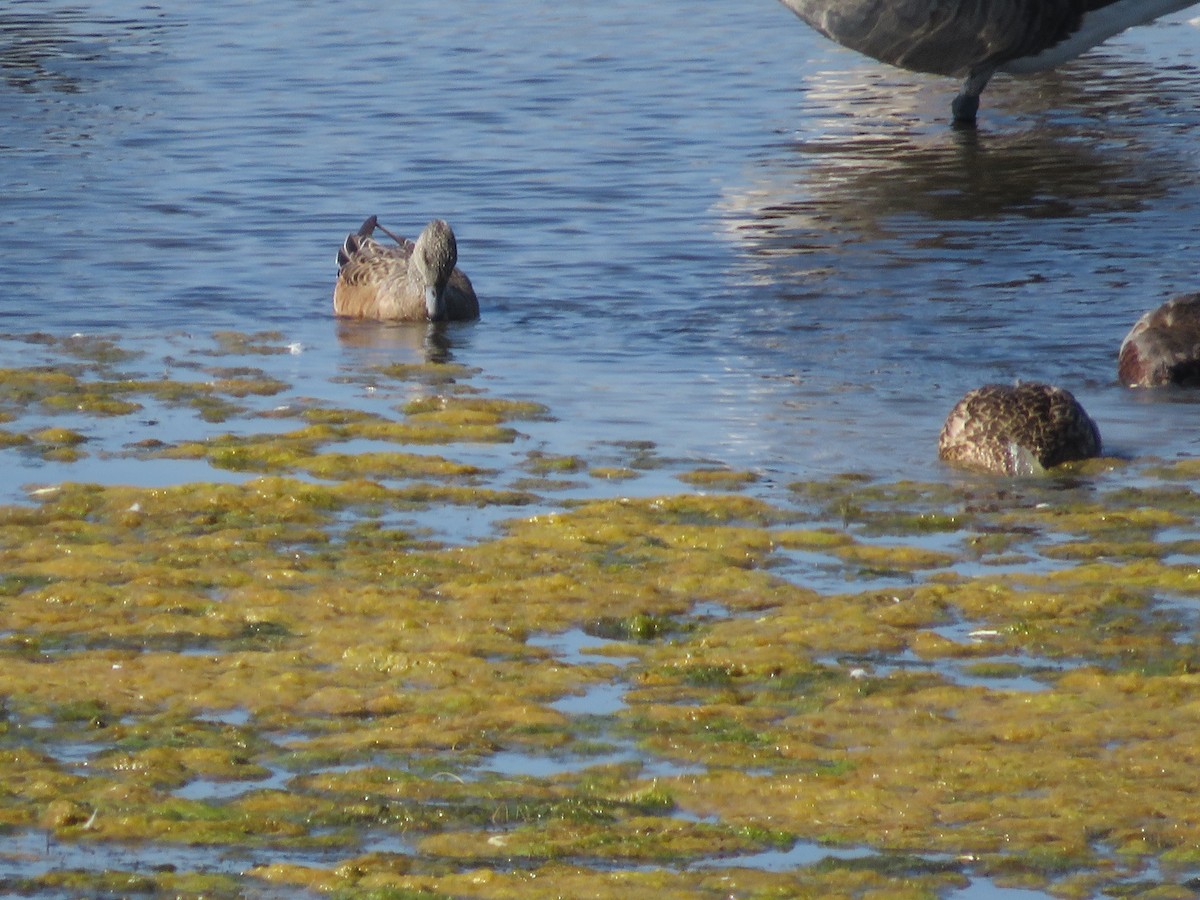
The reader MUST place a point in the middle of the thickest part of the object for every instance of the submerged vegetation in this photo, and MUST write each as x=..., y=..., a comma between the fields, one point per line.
x=284, y=677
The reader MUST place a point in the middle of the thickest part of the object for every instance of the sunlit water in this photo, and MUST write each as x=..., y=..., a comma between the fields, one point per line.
x=693, y=223
x=696, y=224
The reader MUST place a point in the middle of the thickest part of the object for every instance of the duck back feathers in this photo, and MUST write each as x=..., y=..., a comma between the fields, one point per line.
x=404, y=281
x=1018, y=429
x=1163, y=347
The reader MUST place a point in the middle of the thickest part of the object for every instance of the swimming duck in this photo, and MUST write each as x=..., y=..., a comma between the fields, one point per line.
x=411, y=281
x=974, y=40
x=1163, y=347
x=1022, y=429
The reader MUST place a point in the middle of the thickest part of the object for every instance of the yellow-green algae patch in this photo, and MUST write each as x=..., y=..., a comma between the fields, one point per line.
x=608, y=473
x=289, y=453
x=118, y=883
x=73, y=389
x=437, y=374
x=58, y=391
x=458, y=410
x=894, y=878
x=361, y=648
x=302, y=449
x=718, y=479
x=60, y=444
x=96, y=349
x=541, y=463
x=266, y=343
x=280, y=664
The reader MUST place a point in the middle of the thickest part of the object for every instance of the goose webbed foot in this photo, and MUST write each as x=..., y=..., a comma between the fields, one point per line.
x=964, y=108
x=966, y=104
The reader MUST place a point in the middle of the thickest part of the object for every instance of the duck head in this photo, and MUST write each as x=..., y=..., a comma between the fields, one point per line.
x=433, y=259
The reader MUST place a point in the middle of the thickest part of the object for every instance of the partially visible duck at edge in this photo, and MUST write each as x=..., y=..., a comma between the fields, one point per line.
x=1021, y=429
x=407, y=282
x=975, y=40
x=1163, y=347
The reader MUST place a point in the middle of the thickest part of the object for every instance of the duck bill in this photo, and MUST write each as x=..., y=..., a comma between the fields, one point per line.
x=433, y=304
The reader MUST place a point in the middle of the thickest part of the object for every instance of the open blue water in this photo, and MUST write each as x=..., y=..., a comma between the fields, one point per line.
x=690, y=222
x=693, y=223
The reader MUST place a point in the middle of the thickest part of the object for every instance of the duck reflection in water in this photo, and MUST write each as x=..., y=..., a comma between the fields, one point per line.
x=974, y=39
x=1022, y=429
x=385, y=343
x=410, y=281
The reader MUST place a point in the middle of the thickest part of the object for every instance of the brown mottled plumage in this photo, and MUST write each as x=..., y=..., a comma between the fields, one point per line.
x=1017, y=430
x=1164, y=346
x=410, y=281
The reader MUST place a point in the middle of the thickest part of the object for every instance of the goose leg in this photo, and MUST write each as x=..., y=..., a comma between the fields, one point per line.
x=966, y=104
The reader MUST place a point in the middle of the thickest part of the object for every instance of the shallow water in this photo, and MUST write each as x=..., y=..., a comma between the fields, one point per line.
x=696, y=225
x=705, y=228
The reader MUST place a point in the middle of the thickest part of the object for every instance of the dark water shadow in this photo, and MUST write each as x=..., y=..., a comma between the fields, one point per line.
x=49, y=49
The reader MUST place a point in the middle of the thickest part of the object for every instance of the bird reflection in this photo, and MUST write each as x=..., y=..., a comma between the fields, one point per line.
x=849, y=182
x=417, y=342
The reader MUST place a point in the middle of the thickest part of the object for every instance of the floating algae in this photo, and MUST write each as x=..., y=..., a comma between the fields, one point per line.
x=718, y=479
x=346, y=677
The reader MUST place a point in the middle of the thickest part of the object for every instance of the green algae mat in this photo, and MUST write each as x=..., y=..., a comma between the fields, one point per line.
x=284, y=679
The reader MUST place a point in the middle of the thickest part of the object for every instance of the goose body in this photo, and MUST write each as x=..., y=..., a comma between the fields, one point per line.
x=1163, y=347
x=1020, y=429
x=405, y=281
x=973, y=39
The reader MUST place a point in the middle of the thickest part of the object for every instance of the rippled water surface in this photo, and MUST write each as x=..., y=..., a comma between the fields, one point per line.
x=695, y=224
x=698, y=224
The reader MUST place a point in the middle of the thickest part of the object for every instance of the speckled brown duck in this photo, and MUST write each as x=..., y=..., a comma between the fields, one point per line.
x=1020, y=429
x=409, y=281
x=1163, y=347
